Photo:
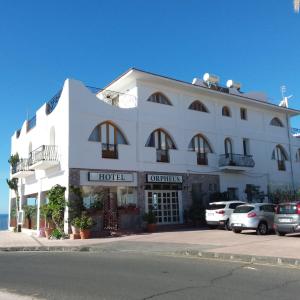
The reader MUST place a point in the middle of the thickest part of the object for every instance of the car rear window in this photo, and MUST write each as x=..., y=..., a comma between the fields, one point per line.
x=288, y=209
x=216, y=206
x=243, y=209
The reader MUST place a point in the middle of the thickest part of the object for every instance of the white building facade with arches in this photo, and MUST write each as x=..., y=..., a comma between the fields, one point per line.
x=151, y=142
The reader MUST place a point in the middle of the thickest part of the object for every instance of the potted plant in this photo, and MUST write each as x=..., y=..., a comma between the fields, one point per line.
x=150, y=218
x=75, y=225
x=29, y=211
x=46, y=213
x=84, y=223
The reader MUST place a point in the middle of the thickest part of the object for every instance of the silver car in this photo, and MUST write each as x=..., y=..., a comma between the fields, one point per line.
x=287, y=218
x=256, y=216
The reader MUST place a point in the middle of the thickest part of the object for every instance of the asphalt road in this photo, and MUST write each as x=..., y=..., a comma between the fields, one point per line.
x=125, y=275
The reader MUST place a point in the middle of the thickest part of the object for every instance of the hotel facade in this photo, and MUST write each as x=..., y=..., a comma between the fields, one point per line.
x=153, y=142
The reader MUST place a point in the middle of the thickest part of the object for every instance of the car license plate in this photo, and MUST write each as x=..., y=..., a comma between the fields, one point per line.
x=285, y=220
x=210, y=214
x=238, y=225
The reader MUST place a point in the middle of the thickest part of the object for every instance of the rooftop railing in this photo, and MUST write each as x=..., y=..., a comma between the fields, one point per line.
x=236, y=160
x=31, y=123
x=51, y=104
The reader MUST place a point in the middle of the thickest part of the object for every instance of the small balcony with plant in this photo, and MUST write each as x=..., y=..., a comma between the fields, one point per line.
x=109, y=151
x=22, y=169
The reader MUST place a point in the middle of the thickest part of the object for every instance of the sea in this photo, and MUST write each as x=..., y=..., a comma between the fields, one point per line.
x=3, y=222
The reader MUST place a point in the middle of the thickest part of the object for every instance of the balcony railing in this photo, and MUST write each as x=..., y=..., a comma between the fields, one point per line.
x=281, y=165
x=43, y=153
x=109, y=151
x=236, y=160
x=162, y=155
x=51, y=104
x=202, y=159
x=31, y=123
x=22, y=166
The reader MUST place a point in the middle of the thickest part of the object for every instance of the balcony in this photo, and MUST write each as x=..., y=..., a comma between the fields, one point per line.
x=202, y=159
x=109, y=151
x=162, y=156
x=44, y=157
x=236, y=162
x=22, y=169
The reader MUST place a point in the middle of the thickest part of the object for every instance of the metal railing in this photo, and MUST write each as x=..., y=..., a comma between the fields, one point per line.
x=51, y=104
x=109, y=151
x=18, y=133
x=22, y=165
x=238, y=160
x=43, y=153
x=202, y=159
x=31, y=123
x=162, y=155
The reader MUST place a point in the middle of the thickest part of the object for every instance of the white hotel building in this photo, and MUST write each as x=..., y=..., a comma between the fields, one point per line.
x=150, y=140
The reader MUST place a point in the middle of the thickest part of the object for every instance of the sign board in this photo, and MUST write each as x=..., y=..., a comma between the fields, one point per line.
x=158, y=178
x=110, y=177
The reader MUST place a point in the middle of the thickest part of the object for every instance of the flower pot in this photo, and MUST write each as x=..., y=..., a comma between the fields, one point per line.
x=48, y=232
x=151, y=227
x=85, y=234
x=75, y=230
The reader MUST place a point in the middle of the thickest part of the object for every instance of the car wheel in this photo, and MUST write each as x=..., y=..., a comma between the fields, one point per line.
x=227, y=225
x=280, y=233
x=262, y=228
x=235, y=230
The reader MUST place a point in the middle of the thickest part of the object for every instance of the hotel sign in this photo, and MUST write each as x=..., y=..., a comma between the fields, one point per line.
x=110, y=177
x=164, y=178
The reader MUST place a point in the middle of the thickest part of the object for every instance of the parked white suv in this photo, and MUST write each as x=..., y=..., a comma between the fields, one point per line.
x=218, y=213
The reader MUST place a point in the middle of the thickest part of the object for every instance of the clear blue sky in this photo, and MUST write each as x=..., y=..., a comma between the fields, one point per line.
x=44, y=42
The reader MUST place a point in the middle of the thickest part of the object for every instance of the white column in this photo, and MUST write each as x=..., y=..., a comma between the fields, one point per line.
x=66, y=216
x=39, y=201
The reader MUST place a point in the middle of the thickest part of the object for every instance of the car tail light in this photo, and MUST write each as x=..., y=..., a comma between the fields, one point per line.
x=298, y=208
x=251, y=214
x=276, y=209
x=221, y=212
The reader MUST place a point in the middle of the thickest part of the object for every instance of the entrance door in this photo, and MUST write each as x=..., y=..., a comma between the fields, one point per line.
x=110, y=213
x=166, y=205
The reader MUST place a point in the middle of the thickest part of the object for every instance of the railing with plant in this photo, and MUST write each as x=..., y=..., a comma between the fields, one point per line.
x=109, y=151
x=51, y=104
x=31, y=123
x=22, y=165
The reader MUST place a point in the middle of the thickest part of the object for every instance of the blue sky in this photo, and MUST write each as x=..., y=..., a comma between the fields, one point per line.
x=44, y=42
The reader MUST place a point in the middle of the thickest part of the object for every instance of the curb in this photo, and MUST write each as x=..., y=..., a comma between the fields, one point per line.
x=251, y=259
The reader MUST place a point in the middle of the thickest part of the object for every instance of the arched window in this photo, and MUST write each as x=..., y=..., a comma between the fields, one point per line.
x=201, y=146
x=161, y=140
x=110, y=136
x=226, y=111
x=279, y=154
x=159, y=98
x=276, y=122
x=108, y=133
x=52, y=136
x=228, y=147
x=199, y=106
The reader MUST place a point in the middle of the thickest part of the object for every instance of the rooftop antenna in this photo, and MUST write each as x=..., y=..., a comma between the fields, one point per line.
x=285, y=99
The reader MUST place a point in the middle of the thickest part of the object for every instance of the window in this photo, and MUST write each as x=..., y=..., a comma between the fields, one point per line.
x=298, y=155
x=201, y=146
x=276, y=122
x=159, y=98
x=107, y=133
x=243, y=112
x=110, y=136
x=279, y=154
x=234, y=205
x=226, y=111
x=228, y=146
x=162, y=142
x=199, y=106
x=246, y=149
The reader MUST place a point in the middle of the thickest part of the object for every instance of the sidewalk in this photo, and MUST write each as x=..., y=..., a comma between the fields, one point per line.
x=204, y=243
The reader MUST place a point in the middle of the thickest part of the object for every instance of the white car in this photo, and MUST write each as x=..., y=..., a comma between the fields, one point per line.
x=218, y=213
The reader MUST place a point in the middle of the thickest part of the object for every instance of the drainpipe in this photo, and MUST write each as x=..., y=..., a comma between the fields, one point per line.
x=290, y=151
